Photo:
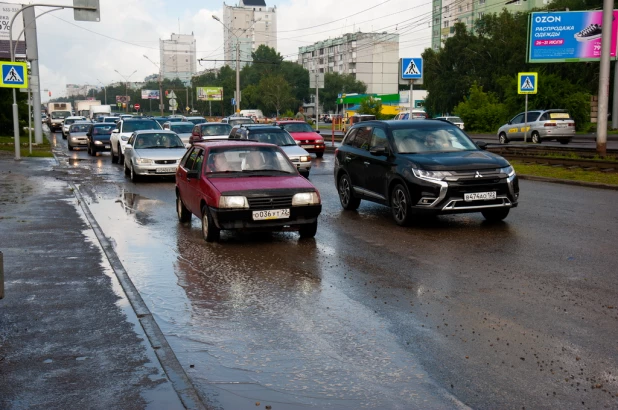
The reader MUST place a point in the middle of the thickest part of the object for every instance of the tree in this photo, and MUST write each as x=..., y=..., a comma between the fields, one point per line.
x=276, y=92
x=481, y=111
x=372, y=106
x=335, y=84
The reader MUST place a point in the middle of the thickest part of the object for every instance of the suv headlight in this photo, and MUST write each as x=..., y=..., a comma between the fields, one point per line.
x=233, y=202
x=509, y=171
x=306, y=198
x=435, y=175
x=143, y=161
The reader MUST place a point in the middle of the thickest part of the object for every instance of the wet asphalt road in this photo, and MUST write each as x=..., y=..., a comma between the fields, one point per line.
x=450, y=312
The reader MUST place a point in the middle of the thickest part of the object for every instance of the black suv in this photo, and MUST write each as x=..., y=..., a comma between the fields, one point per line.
x=427, y=166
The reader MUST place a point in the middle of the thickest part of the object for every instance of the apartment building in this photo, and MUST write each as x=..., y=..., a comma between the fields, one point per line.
x=370, y=57
x=247, y=26
x=78, y=90
x=178, y=58
x=446, y=13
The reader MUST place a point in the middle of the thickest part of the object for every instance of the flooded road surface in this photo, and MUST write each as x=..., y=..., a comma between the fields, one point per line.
x=447, y=313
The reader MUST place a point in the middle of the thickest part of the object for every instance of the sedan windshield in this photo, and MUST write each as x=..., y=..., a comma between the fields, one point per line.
x=130, y=126
x=79, y=128
x=435, y=138
x=273, y=137
x=157, y=140
x=102, y=129
x=298, y=127
x=248, y=160
x=182, y=128
x=214, y=130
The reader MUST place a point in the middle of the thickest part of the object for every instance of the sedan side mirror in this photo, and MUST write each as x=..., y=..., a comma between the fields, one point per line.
x=116, y=130
x=128, y=147
x=481, y=144
x=378, y=151
x=192, y=174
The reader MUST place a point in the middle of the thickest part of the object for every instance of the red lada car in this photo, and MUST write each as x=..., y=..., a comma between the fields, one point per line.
x=244, y=185
x=305, y=136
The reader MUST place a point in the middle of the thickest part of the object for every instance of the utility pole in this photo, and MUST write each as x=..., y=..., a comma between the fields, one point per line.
x=608, y=6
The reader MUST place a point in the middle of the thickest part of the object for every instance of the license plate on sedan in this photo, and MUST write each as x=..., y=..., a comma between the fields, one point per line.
x=480, y=196
x=165, y=170
x=271, y=214
x=306, y=146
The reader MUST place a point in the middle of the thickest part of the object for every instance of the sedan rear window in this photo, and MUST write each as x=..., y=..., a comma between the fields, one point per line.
x=131, y=126
x=219, y=129
x=304, y=127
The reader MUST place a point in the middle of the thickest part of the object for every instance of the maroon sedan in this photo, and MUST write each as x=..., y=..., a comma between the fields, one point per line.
x=244, y=185
x=305, y=136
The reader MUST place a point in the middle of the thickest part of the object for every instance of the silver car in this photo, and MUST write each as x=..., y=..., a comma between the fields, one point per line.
x=153, y=153
x=182, y=128
x=453, y=120
x=77, y=134
x=543, y=125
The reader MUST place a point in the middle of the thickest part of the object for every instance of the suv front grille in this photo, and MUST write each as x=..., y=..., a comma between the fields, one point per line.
x=270, y=202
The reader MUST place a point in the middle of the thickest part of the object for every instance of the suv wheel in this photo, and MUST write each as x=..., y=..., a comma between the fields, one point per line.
x=536, y=138
x=210, y=232
x=400, y=205
x=503, y=139
x=346, y=196
x=496, y=215
x=114, y=157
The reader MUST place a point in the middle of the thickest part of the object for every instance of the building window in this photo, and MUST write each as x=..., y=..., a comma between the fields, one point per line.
x=481, y=14
x=445, y=25
x=481, y=1
x=445, y=9
x=321, y=70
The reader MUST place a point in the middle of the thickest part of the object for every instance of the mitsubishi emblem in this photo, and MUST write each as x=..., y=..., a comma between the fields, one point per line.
x=478, y=175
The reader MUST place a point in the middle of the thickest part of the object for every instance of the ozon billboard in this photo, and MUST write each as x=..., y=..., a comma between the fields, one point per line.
x=568, y=36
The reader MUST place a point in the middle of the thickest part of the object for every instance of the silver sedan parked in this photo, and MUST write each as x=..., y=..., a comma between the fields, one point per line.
x=153, y=153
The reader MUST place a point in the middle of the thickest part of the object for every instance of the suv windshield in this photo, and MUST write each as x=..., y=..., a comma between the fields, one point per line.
x=297, y=127
x=60, y=114
x=130, y=126
x=438, y=138
x=272, y=137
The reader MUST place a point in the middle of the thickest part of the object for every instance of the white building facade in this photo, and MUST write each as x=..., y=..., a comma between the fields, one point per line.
x=370, y=57
x=178, y=57
x=248, y=25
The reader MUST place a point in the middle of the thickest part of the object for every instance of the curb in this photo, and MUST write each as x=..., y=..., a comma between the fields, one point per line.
x=569, y=182
x=176, y=374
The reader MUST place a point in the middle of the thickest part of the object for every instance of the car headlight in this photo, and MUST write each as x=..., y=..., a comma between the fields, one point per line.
x=436, y=175
x=507, y=170
x=98, y=143
x=306, y=198
x=319, y=142
x=125, y=137
x=143, y=161
x=305, y=158
x=233, y=202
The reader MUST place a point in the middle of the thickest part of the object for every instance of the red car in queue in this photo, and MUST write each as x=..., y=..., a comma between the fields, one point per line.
x=305, y=136
x=244, y=185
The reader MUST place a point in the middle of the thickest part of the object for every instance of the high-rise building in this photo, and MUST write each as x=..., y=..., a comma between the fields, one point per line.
x=178, y=58
x=370, y=57
x=249, y=24
x=446, y=13
x=79, y=90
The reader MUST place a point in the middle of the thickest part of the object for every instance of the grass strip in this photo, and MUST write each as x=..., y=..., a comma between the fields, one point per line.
x=575, y=174
x=38, y=150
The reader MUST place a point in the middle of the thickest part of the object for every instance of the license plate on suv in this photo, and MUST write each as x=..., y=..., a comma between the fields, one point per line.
x=480, y=196
x=271, y=214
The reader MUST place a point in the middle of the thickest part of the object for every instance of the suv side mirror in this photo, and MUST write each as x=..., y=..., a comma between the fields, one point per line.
x=116, y=130
x=481, y=144
x=378, y=151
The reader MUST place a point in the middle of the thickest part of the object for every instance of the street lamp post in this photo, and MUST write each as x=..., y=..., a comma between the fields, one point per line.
x=160, y=85
x=126, y=87
x=104, y=90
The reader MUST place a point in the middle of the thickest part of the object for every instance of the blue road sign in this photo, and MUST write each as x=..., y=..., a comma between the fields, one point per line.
x=527, y=83
x=233, y=101
x=412, y=68
x=14, y=75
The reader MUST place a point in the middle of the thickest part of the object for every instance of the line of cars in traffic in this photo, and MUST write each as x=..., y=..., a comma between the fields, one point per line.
x=250, y=176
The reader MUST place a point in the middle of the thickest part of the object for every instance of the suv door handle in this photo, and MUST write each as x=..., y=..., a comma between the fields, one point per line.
x=366, y=162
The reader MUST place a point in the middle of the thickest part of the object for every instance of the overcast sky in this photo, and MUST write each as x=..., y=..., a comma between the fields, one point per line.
x=82, y=52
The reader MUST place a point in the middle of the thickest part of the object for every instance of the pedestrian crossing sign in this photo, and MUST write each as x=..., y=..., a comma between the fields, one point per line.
x=14, y=74
x=411, y=68
x=527, y=83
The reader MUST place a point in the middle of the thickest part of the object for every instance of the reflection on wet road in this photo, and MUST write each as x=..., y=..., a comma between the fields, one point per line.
x=451, y=310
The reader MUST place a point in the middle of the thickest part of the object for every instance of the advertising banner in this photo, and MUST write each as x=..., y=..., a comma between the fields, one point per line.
x=568, y=36
x=150, y=94
x=209, y=93
x=123, y=98
x=7, y=11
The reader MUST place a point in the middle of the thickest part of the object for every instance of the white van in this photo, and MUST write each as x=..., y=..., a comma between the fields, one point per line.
x=416, y=115
x=252, y=113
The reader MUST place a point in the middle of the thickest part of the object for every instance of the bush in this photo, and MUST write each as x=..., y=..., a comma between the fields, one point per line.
x=481, y=112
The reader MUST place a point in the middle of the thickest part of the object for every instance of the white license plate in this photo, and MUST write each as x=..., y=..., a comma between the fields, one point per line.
x=560, y=125
x=480, y=196
x=107, y=147
x=271, y=214
x=306, y=146
x=165, y=170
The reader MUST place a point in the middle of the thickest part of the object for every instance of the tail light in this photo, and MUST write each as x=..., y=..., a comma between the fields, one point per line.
x=550, y=124
x=571, y=124
x=336, y=151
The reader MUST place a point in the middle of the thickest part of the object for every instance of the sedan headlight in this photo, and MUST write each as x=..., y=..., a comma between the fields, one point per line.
x=233, y=202
x=306, y=198
x=508, y=171
x=143, y=161
x=435, y=175
x=305, y=158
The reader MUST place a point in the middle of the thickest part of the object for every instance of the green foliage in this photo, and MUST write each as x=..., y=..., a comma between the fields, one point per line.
x=275, y=92
x=288, y=114
x=372, y=106
x=481, y=112
x=335, y=84
x=6, y=111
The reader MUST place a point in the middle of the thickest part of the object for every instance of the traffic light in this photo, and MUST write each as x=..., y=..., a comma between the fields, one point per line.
x=166, y=92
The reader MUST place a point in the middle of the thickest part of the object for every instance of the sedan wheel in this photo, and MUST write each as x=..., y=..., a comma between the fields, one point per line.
x=503, y=139
x=308, y=230
x=114, y=157
x=346, y=196
x=400, y=205
x=183, y=213
x=536, y=138
x=210, y=232
x=134, y=176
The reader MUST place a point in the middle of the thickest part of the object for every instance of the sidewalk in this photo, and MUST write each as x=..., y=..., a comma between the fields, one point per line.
x=68, y=336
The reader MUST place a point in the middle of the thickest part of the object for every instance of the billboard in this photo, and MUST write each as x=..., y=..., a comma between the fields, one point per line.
x=568, y=36
x=7, y=11
x=150, y=94
x=123, y=98
x=209, y=93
